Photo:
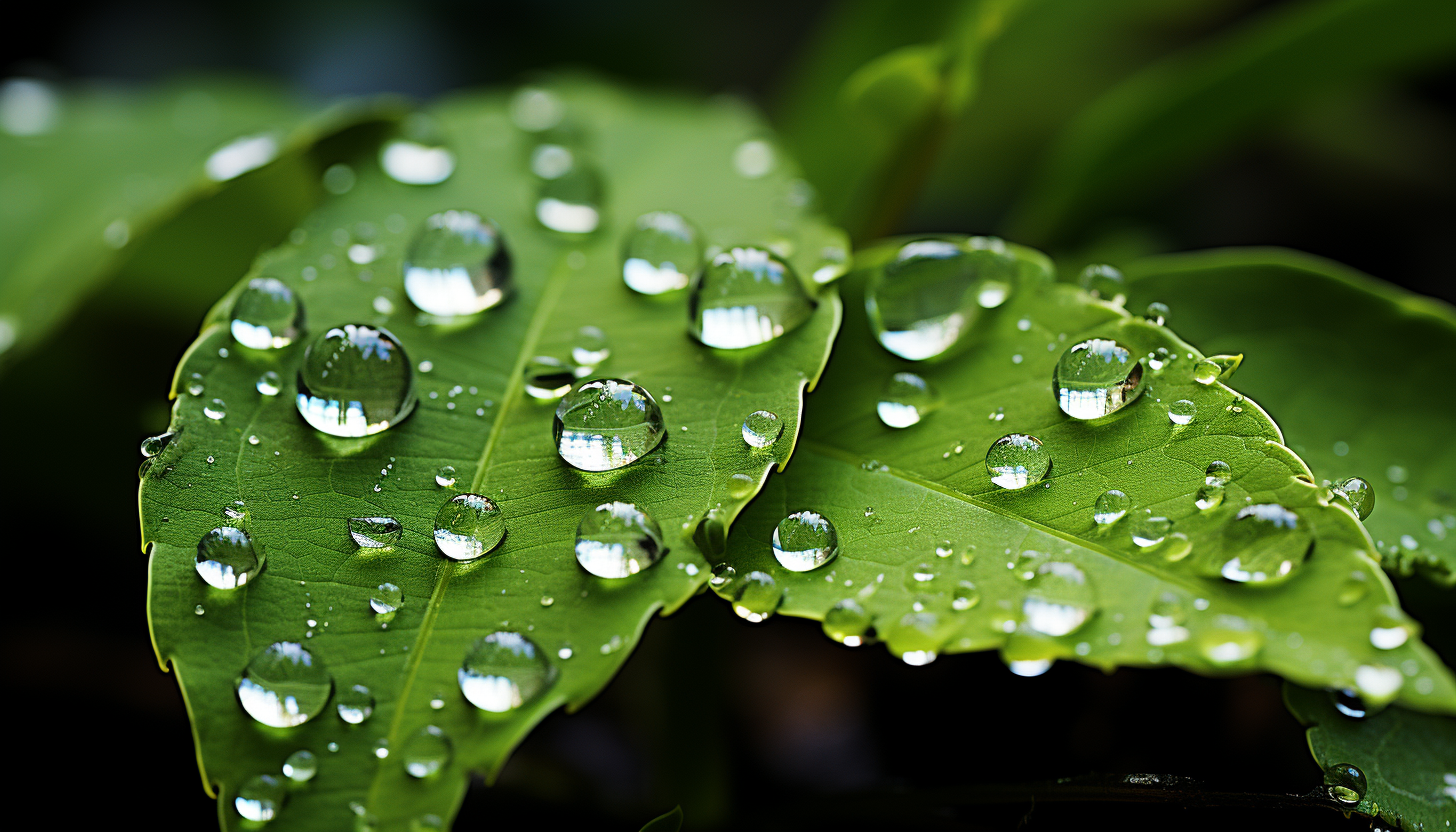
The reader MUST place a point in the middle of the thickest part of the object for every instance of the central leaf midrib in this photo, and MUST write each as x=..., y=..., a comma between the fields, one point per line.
x=550, y=295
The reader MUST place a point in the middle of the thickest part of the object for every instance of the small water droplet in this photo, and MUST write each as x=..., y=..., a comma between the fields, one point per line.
x=239, y=156
x=427, y=752
x=1353, y=589
x=1272, y=542
x=569, y=190
x=1209, y=496
x=375, y=532
x=1392, y=628
x=1229, y=642
x=269, y=384
x=1157, y=312
x=847, y=623
x=386, y=600
x=284, y=685
x=1017, y=460
x=805, y=540
x=606, y=424
x=457, y=264
x=153, y=445
x=1105, y=282
x=746, y=296
x=468, y=526
x=260, y=799
x=381, y=748
x=1345, y=783
x=1111, y=506
x=1349, y=703
x=757, y=597
x=301, y=766
x=1095, y=378
x=1359, y=494
x=1182, y=412
x=589, y=349
x=616, y=540
x=445, y=477
x=762, y=428
x=661, y=254
x=226, y=558
x=355, y=381
x=1218, y=473
x=414, y=163
x=547, y=378
x=266, y=315
x=534, y=109
x=723, y=574
x=1060, y=599
x=215, y=410
x=753, y=159
x=1148, y=530
x=964, y=596
x=906, y=399
x=355, y=704
x=922, y=302
x=741, y=485
x=1030, y=668
x=503, y=671
x=547, y=600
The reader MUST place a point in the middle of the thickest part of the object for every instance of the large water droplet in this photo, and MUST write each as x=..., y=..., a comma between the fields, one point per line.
x=805, y=540
x=762, y=428
x=570, y=200
x=1060, y=599
x=414, y=163
x=847, y=623
x=924, y=300
x=1095, y=378
x=1345, y=783
x=503, y=671
x=457, y=264
x=605, y=424
x=757, y=596
x=746, y=296
x=1182, y=412
x=284, y=685
x=615, y=540
x=1111, y=506
x=1105, y=282
x=266, y=315
x=1271, y=542
x=1360, y=494
x=355, y=704
x=386, y=599
x=1017, y=460
x=427, y=751
x=301, y=766
x=1208, y=497
x=1218, y=473
x=1378, y=684
x=375, y=532
x=662, y=254
x=468, y=526
x=226, y=558
x=355, y=381
x=260, y=799
x=906, y=399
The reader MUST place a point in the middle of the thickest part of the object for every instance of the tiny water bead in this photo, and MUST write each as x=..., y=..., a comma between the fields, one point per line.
x=415, y=163
x=426, y=752
x=906, y=399
x=1148, y=530
x=457, y=264
x=590, y=348
x=757, y=597
x=1017, y=460
x=606, y=424
x=1111, y=506
x=570, y=201
x=805, y=540
x=847, y=623
x=375, y=532
x=547, y=378
x=1345, y=783
x=468, y=526
x=226, y=558
x=153, y=445
x=1095, y=378
x=301, y=766
x=260, y=799
x=386, y=599
x=1060, y=599
x=661, y=254
x=284, y=685
x=1214, y=367
x=1271, y=542
x=922, y=302
x=762, y=428
x=269, y=383
x=1182, y=412
x=266, y=315
x=445, y=476
x=1360, y=494
x=1158, y=312
x=503, y=671
x=616, y=540
x=1105, y=282
x=355, y=704
x=746, y=296
x=355, y=381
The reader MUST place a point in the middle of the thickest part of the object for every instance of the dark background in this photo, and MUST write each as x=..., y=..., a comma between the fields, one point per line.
x=767, y=726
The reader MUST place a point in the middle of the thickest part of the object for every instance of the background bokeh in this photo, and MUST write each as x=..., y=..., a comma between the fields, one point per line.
x=768, y=726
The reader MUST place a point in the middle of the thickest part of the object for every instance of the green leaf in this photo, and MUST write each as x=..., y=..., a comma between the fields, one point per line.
x=298, y=487
x=88, y=183
x=669, y=822
x=1349, y=366
x=1408, y=758
x=919, y=502
x=1140, y=134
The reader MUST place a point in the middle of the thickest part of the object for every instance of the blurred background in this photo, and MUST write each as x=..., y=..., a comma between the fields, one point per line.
x=1349, y=153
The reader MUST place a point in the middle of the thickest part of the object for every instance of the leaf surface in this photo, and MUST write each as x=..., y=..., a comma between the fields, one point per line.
x=1349, y=366
x=917, y=514
x=298, y=488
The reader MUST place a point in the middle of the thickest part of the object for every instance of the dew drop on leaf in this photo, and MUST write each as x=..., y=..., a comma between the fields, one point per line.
x=226, y=558
x=445, y=476
x=260, y=799
x=468, y=526
x=300, y=766
x=375, y=532
x=922, y=302
x=503, y=671
x=426, y=752
x=269, y=383
x=606, y=424
x=457, y=264
x=1017, y=460
x=762, y=428
x=616, y=540
x=805, y=540
x=1095, y=378
x=266, y=315
x=355, y=381
x=661, y=254
x=416, y=163
x=547, y=379
x=386, y=599
x=589, y=349
x=1105, y=282
x=1060, y=600
x=1359, y=494
x=1182, y=412
x=568, y=195
x=744, y=297
x=284, y=685
x=757, y=597
x=1111, y=506
x=355, y=704
x=847, y=622
x=1271, y=542
x=906, y=399
x=1345, y=783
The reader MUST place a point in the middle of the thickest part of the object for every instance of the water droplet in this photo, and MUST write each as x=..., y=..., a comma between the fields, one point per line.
x=1105, y=282
x=1353, y=589
x=1157, y=312
x=457, y=264
x=427, y=751
x=1360, y=495
x=1017, y=460
x=934, y=291
x=847, y=623
x=386, y=599
x=301, y=766
x=1378, y=684
x=753, y=159
x=1182, y=412
x=1111, y=506
x=590, y=349
x=445, y=477
x=413, y=163
x=355, y=704
x=28, y=107
x=1095, y=378
x=1349, y=703
x=615, y=540
x=906, y=399
x=215, y=410
x=269, y=384
x=468, y=526
x=1176, y=546
x=1345, y=783
x=723, y=574
x=239, y=156
x=662, y=254
x=1218, y=473
x=746, y=296
x=284, y=685
x=1166, y=619
x=805, y=540
x=1030, y=668
x=1271, y=542
x=762, y=428
x=375, y=532
x=741, y=485
x=199, y=610
x=266, y=315
x=153, y=445
x=226, y=558
x=606, y=424
x=757, y=597
x=1392, y=628
x=503, y=671
x=964, y=596
x=381, y=749
x=260, y=799
x=1397, y=474
x=569, y=193
x=1148, y=529
x=355, y=381
x=547, y=379
x=1214, y=367
x=1209, y=496
x=1059, y=601
x=1229, y=642
x=534, y=109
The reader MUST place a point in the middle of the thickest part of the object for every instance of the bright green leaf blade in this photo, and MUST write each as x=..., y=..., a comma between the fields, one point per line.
x=1352, y=369
x=1408, y=758
x=920, y=500
x=1143, y=132
x=298, y=487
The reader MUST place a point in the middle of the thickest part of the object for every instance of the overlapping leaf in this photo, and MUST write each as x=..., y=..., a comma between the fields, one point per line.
x=296, y=488
x=920, y=523
x=1350, y=367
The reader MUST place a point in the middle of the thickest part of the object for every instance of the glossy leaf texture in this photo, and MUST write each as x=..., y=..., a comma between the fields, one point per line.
x=89, y=173
x=1408, y=758
x=1353, y=370
x=942, y=560
x=292, y=488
